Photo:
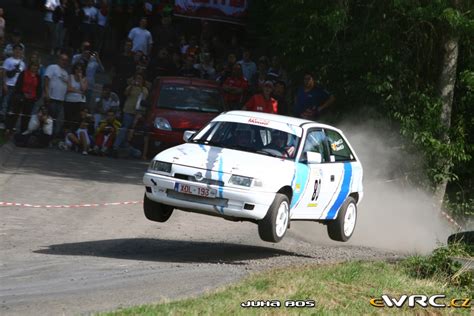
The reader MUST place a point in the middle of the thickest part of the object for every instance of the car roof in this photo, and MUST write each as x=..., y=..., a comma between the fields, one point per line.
x=189, y=81
x=278, y=118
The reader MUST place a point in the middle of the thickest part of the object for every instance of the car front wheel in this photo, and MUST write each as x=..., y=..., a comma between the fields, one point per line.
x=155, y=211
x=342, y=228
x=273, y=226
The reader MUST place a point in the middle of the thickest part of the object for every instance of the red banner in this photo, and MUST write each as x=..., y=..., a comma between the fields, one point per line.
x=231, y=11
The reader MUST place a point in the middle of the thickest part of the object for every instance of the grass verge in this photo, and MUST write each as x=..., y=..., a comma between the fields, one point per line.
x=341, y=289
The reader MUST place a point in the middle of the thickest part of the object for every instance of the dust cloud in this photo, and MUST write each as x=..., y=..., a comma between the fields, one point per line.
x=394, y=215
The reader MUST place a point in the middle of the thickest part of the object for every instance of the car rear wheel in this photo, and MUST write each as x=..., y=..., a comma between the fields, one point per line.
x=342, y=228
x=155, y=211
x=273, y=226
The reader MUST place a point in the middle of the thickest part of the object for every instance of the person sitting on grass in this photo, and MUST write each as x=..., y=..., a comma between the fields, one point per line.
x=108, y=100
x=106, y=133
x=39, y=132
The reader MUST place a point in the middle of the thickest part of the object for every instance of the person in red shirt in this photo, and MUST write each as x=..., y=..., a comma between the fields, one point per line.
x=235, y=88
x=27, y=92
x=263, y=102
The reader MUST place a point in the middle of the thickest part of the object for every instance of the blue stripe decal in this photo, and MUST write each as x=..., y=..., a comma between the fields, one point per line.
x=221, y=180
x=302, y=176
x=345, y=187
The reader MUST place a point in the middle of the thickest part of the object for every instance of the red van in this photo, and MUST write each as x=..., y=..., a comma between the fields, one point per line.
x=179, y=104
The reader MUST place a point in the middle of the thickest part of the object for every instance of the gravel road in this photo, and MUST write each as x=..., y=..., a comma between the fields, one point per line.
x=82, y=260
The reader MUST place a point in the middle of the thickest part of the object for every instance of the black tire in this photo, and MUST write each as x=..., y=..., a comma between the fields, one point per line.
x=155, y=211
x=336, y=227
x=267, y=226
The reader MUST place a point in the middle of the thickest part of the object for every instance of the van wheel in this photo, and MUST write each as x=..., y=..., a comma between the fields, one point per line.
x=155, y=211
x=342, y=228
x=273, y=226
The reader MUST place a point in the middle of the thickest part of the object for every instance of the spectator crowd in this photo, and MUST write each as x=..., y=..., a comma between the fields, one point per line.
x=55, y=104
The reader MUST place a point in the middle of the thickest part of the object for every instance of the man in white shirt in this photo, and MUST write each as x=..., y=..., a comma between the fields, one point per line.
x=12, y=67
x=141, y=38
x=55, y=88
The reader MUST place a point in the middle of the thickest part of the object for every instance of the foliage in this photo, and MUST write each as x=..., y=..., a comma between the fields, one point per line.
x=384, y=55
x=440, y=265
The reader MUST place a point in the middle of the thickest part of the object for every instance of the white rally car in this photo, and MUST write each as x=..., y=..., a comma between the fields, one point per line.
x=264, y=168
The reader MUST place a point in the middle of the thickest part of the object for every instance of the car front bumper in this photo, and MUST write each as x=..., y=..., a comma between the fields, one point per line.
x=229, y=201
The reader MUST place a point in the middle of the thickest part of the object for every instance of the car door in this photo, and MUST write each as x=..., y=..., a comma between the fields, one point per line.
x=342, y=169
x=322, y=178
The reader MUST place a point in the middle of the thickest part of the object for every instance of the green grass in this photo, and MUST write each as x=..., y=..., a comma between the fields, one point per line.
x=339, y=289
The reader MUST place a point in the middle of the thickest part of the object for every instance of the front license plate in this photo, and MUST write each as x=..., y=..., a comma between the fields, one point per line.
x=194, y=190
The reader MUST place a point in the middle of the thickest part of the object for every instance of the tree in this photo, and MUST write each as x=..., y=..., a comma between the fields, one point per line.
x=408, y=61
x=447, y=81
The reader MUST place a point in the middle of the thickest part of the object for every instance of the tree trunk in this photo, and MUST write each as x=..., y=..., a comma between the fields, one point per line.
x=446, y=83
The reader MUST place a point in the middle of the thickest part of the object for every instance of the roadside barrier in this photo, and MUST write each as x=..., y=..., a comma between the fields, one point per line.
x=13, y=204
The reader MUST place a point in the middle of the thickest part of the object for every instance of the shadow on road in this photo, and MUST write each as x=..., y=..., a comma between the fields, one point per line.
x=72, y=165
x=168, y=251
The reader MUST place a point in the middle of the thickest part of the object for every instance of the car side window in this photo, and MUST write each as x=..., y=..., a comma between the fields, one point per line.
x=315, y=143
x=338, y=148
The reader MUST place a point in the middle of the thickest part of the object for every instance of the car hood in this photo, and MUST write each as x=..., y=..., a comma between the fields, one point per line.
x=185, y=120
x=227, y=160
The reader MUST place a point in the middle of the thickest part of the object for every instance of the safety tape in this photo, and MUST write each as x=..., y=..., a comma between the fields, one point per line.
x=451, y=220
x=13, y=204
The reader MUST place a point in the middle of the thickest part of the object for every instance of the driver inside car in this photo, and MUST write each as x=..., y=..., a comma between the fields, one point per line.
x=278, y=143
x=242, y=138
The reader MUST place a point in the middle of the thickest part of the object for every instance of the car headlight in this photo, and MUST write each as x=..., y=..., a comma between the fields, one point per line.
x=161, y=166
x=245, y=181
x=162, y=123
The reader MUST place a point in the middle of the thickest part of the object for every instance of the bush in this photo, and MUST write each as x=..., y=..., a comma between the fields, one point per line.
x=440, y=265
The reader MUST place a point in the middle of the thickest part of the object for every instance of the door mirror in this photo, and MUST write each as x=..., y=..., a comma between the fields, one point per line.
x=188, y=135
x=313, y=158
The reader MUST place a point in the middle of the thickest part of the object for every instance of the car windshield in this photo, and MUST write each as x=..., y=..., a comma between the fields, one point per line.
x=251, y=138
x=190, y=98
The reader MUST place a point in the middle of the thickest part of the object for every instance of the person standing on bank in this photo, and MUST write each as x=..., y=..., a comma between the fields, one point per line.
x=12, y=67
x=55, y=88
x=135, y=93
x=27, y=92
x=263, y=102
x=311, y=99
x=75, y=96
